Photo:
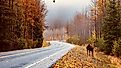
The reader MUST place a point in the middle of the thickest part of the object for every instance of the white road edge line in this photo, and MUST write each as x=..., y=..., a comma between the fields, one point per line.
x=16, y=54
x=43, y=59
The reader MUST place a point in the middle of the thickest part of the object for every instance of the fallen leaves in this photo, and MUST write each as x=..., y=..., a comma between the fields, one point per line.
x=77, y=58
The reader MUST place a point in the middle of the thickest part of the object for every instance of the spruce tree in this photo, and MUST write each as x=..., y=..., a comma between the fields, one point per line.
x=8, y=39
x=111, y=24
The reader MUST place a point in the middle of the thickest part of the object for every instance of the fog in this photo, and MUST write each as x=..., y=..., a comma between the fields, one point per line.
x=64, y=9
x=59, y=13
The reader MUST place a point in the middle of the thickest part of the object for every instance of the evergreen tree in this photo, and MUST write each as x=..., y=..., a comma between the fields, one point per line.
x=39, y=18
x=8, y=39
x=21, y=23
x=111, y=24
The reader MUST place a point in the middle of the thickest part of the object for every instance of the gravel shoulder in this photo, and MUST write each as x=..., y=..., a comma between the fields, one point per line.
x=77, y=58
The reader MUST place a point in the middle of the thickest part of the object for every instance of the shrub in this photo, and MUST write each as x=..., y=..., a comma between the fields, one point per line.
x=45, y=43
x=74, y=40
x=117, y=48
x=35, y=43
x=21, y=43
x=101, y=44
x=92, y=38
x=30, y=43
x=7, y=45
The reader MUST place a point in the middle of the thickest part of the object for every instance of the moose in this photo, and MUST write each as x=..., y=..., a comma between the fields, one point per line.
x=90, y=49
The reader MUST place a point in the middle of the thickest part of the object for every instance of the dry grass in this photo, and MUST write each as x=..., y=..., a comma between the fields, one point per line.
x=77, y=58
x=45, y=43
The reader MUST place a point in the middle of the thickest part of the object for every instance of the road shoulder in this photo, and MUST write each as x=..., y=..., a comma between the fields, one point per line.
x=77, y=58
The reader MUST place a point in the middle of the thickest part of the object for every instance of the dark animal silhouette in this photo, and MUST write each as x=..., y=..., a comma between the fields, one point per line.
x=89, y=49
x=53, y=1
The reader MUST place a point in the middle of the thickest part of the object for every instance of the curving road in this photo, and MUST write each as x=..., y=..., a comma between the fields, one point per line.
x=34, y=58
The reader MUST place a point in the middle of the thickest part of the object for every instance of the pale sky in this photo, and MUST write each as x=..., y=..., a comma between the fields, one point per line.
x=64, y=9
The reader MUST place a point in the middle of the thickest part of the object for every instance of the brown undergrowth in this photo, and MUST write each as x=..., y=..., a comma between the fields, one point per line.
x=77, y=58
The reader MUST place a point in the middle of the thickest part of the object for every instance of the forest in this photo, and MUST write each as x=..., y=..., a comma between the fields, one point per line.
x=99, y=23
x=21, y=24
x=60, y=33
x=106, y=15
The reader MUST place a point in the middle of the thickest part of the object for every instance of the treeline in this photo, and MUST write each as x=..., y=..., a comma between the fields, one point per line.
x=79, y=26
x=106, y=16
x=21, y=24
x=77, y=29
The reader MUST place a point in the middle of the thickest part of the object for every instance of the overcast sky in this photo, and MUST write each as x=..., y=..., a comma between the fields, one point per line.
x=64, y=9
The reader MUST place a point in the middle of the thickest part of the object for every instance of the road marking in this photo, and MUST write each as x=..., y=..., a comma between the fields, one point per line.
x=43, y=59
x=17, y=54
x=28, y=52
x=1, y=57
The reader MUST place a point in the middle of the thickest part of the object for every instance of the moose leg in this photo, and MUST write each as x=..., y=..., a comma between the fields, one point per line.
x=92, y=53
x=87, y=52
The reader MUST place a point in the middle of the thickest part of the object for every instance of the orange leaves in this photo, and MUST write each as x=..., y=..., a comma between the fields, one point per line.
x=71, y=60
x=77, y=58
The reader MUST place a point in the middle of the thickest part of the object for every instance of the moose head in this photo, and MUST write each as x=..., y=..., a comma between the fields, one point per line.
x=53, y=1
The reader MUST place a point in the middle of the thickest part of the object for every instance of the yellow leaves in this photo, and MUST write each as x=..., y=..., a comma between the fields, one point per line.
x=45, y=43
x=115, y=61
x=77, y=58
x=92, y=38
x=71, y=60
x=94, y=34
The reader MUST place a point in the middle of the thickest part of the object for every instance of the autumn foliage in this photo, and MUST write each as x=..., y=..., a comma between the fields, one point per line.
x=21, y=24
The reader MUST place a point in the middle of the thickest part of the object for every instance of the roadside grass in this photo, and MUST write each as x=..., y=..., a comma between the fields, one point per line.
x=77, y=58
x=45, y=43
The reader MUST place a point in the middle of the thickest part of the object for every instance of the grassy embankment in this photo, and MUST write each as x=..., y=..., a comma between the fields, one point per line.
x=77, y=58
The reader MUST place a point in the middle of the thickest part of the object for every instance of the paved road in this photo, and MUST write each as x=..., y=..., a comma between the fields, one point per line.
x=34, y=58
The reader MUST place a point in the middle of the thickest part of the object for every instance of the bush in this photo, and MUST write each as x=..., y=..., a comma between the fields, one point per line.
x=74, y=40
x=91, y=39
x=24, y=45
x=8, y=45
x=101, y=44
x=21, y=43
x=45, y=43
x=30, y=43
x=35, y=43
x=117, y=48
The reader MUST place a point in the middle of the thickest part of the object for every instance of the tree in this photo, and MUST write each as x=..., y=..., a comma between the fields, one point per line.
x=112, y=24
x=21, y=23
x=101, y=4
x=8, y=39
x=79, y=26
x=34, y=18
x=39, y=19
x=98, y=8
